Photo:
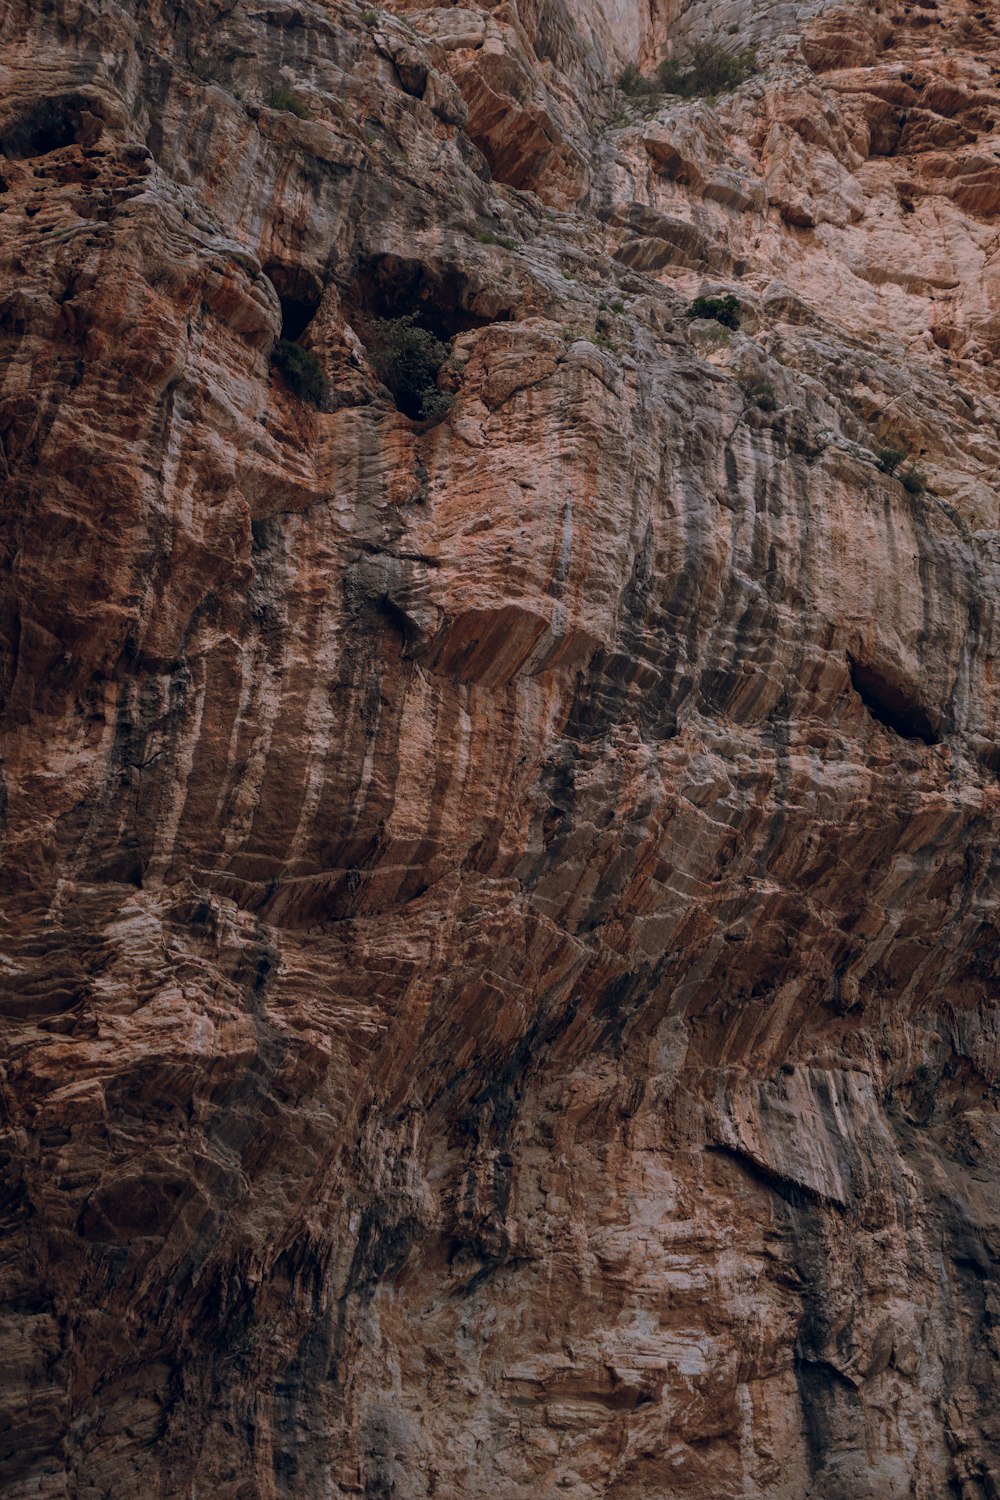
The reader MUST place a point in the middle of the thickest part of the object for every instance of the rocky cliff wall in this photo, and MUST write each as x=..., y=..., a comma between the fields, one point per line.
x=500, y=968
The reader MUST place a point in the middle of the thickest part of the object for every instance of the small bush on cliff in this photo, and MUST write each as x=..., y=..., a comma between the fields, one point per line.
x=711, y=70
x=301, y=370
x=761, y=393
x=634, y=83
x=489, y=237
x=725, y=310
x=281, y=98
x=913, y=481
x=407, y=358
x=889, y=459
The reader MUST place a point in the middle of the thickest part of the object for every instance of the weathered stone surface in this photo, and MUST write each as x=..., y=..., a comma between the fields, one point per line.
x=500, y=965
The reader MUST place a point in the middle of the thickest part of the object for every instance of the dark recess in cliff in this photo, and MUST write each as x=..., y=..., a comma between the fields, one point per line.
x=890, y=705
x=47, y=125
x=299, y=293
x=391, y=286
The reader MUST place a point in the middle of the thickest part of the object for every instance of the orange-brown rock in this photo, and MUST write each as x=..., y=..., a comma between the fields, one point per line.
x=499, y=968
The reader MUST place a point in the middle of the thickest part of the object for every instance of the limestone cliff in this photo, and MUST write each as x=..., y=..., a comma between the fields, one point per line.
x=499, y=966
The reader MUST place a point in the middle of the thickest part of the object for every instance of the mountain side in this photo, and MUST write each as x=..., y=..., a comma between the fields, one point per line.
x=500, y=765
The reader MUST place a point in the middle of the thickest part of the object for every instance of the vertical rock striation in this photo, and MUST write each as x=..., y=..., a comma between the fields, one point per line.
x=499, y=968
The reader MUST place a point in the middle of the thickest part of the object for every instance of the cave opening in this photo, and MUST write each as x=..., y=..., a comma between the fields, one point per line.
x=49, y=125
x=437, y=298
x=299, y=293
x=889, y=705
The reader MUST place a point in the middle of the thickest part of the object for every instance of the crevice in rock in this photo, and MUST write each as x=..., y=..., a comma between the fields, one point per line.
x=299, y=292
x=799, y=1195
x=891, y=705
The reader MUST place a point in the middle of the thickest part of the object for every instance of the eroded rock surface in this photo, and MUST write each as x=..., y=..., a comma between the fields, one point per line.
x=499, y=929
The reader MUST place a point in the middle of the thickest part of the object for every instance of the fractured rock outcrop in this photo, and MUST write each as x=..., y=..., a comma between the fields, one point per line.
x=500, y=964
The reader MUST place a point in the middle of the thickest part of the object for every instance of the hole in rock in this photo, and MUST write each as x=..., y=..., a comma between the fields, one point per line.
x=891, y=705
x=299, y=292
x=391, y=286
x=48, y=125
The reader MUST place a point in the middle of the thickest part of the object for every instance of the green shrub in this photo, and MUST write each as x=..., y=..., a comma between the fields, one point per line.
x=761, y=393
x=725, y=310
x=407, y=358
x=370, y=17
x=301, y=370
x=913, y=481
x=617, y=306
x=634, y=83
x=487, y=237
x=282, y=98
x=711, y=70
x=889, y=459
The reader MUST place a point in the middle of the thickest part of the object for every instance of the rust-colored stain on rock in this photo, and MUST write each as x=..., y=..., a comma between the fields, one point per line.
x=499, y=965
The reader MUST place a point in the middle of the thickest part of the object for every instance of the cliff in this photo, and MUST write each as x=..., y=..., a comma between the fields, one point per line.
x=499, y=975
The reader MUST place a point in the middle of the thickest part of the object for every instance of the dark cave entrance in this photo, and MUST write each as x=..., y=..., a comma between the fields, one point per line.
x=299, y=292
x=49, y=125
x=392, y=286
x=889, y=705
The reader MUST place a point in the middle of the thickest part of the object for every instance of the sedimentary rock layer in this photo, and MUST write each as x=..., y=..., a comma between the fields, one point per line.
x=500, y=970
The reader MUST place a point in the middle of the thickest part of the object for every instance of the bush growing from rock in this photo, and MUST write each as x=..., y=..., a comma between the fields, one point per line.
x=407, y=358
x=889, y=458
x=490, y=237
x=761, y=393
x=725, y=310
x=281, y=98
x=913, y=481
x=301, y=370
x=634, y=83
x=711, y=70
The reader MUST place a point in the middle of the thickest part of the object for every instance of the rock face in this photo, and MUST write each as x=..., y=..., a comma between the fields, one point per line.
x=500, y=965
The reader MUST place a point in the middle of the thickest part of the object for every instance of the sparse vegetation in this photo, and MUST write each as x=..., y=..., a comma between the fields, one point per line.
x=407, y=358
x=889, y=458
x=617, y=306
x=913, y=481
x=370, y=17
x=301, y=370
x=487, y=237
x=282, y=98
x=711, y=70
x=761, y=393
x=724, y=310
x=635, y=83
